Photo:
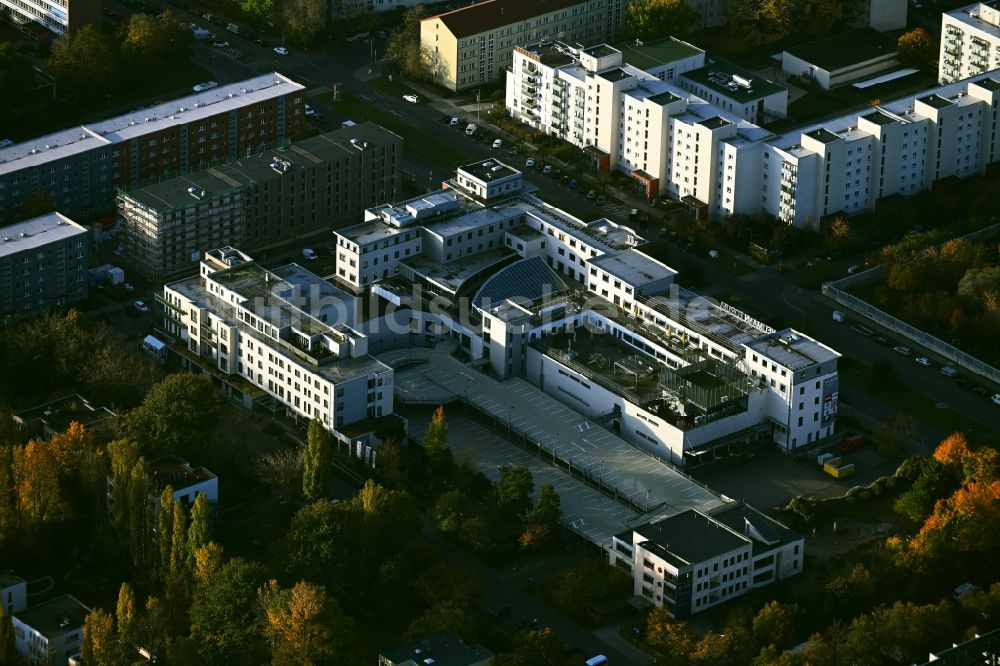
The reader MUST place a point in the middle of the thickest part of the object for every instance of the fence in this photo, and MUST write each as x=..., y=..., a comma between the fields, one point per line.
x=836, y=291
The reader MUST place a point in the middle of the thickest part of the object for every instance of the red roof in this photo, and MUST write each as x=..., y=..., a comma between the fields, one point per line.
x=485, y=16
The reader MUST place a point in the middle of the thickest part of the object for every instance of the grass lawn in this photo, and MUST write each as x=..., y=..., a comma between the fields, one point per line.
x=903, y=398
x=417, y=142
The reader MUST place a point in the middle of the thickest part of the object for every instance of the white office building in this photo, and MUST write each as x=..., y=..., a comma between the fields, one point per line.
x=576, y=308
x=281, y=333
x=49, y=633
x=970, y=41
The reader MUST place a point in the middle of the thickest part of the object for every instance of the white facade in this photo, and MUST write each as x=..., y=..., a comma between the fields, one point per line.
x=48, y=634
x=279, y=331
x=970, y=42
x=13, y=593
x=847, y=164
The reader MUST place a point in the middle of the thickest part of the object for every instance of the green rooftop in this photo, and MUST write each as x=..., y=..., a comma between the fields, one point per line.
x=650, y=54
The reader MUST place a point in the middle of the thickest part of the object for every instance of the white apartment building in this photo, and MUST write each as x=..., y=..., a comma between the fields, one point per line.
x=693, y=561
x=845, y=165
x=13, y=593
x=579, y=310
x=970, y=42
x=49, y=633
x=673, y=142
x=278, y=333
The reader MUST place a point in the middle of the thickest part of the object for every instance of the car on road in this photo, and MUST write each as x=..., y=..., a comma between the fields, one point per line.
x=311, y=113
x=905, y=351
x=207, y=85
x=546, y=170
x=453, y=122
x=281, y=50
x=922, y=360
x=528, y=163
x=884, y=341
x=141, y=306
x=996, y=399
x=591, y=194
x=220, y=45
x=411, y=98
x=497, y=143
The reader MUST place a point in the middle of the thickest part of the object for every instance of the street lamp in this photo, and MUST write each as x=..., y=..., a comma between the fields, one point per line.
x=477, y=106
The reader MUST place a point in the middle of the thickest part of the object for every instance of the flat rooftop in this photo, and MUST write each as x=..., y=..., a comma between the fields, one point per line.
x=845, y=49
x=9, y=579
x=190, y=108
x=732, y=81
x=880, y=118
x=615, y=74
x=979, y=651
x=55, y=617
x=824, y=135
x=550, y=53
x=451, y=277
x=935, y=101
x=444, y=648
x=655, y=53
x=246, y=172
x=489, y=170
x=714, y=123
x=37, y=232
x=689, y=538
x=764, y=531
x=634, y=267
x=485, y=16
x=59, y=413
x=970, y=16
x=174, y=471
x=792, y=349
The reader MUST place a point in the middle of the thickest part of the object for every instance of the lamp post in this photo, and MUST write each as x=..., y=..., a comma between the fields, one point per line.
x=477, y=106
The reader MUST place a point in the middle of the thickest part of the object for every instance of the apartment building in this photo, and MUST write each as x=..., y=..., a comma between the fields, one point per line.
x=82, y=168
x=13, y=593
x=693, y=561
x=59, y=16
x=49, y=633
x=577, y=309
x=276, y=338
x=846, y=165
x=473, y=45
x=307, y=188
x=43, y=265
x=671, y=141
x=970, y=41
x=737, y=90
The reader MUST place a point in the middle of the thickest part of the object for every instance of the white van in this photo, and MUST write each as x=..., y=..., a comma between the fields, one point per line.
x=470, y=129
x=839, y=316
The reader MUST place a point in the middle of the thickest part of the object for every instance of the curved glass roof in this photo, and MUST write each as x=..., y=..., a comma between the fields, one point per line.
x=522, y=282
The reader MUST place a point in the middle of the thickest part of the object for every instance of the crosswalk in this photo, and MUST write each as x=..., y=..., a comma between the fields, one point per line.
x=617, y=212
x=230, y=52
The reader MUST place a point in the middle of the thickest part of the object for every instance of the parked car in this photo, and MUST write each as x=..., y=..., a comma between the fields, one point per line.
x=207, y=85
x=854, y=269
x=411, y=98
x=529, y=163
x=996, y=399
x=382, y=34
x=309, y=254
x=546, y=170
x=141, y=306
x=453, y=122
x=220, y=45
x=905, y=351
x=884, y=341
x=281, y=50
x=922, y=360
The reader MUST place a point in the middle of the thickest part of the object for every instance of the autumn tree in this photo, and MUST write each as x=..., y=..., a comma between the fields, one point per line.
x=100, y=646
x=7, y=643
x=916, y=48
x=774, y=624
x=257, y=11
x=200, y=531
x=124, y=454
x=283, y=470
x=39, y=496
x=664, y=632
x=140, y=518
x=152, y=40
x=839, y=234
x=165, y=530
x=9, y=518
x=317, y=463
x=654, y=19
x=126, y=618
x=436, y=434
x=304, y=626
x=404, y=49
x=536, y=648
x=303, y=21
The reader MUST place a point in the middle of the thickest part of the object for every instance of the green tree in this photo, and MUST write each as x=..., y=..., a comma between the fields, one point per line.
x=774, y=624
x=225, y=619
x=100, y=647
x=654, y=19
x=165, y=530
x=450, y=509
x=547, y=509
x=327, y=544
x=436, y=434
x=513, y=489
x=536, y=648
x=140, y=517
x=304, y=20
x=177, y=416
x=124, y=454
x=126, y=618
x=257, y=11
x=916, y=48
x=150, y=40
x=404, y=49
x=200, y=530
x=317, y=463
x=84, y=64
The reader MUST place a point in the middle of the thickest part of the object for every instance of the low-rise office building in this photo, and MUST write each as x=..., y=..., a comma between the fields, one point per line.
x=57, y=16
x=187, y=482
x=693, y=561
x=841, y=59
x=970, y=41
x=43, y=265
x=49, y=633
x=308, y=188
x=275, y=338
x=56, y=416
x=473, y=45
x=444, y=648
x=737, y=90
x=82, y=168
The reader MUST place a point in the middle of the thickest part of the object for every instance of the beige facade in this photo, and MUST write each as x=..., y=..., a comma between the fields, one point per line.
x=474, y=45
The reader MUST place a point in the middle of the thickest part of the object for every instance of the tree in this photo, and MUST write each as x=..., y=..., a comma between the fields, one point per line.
x=84, y=64
x=257, y=11
x=953, y=451
x=150, y=39
x=283, y=470
x=124, y=454
x=224, y=616
x=917, y=48
x=536, y=648
x=663, y=632
x=404, y=49
x=9, y=517
x=200, y=531
x=207, y=562
x=513, y=489
x=653, y=19
x=176, y=416
x=126, y=619
x=140, y=517
x=304, y=625
x=165, y=530
x=99, y=647
x=450, y=509
x=7, y=643
x=774, y=624
x=547, y=509
x=436, y=434
x=304, y=20
x=839, y=235
x=317, y=464
x=327, y=544
x=36, y=482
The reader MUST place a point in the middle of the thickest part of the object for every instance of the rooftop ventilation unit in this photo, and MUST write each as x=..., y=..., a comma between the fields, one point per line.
x=197, y=193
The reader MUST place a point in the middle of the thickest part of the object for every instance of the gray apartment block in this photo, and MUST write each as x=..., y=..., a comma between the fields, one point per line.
x=43, y=264
x=312, y=186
